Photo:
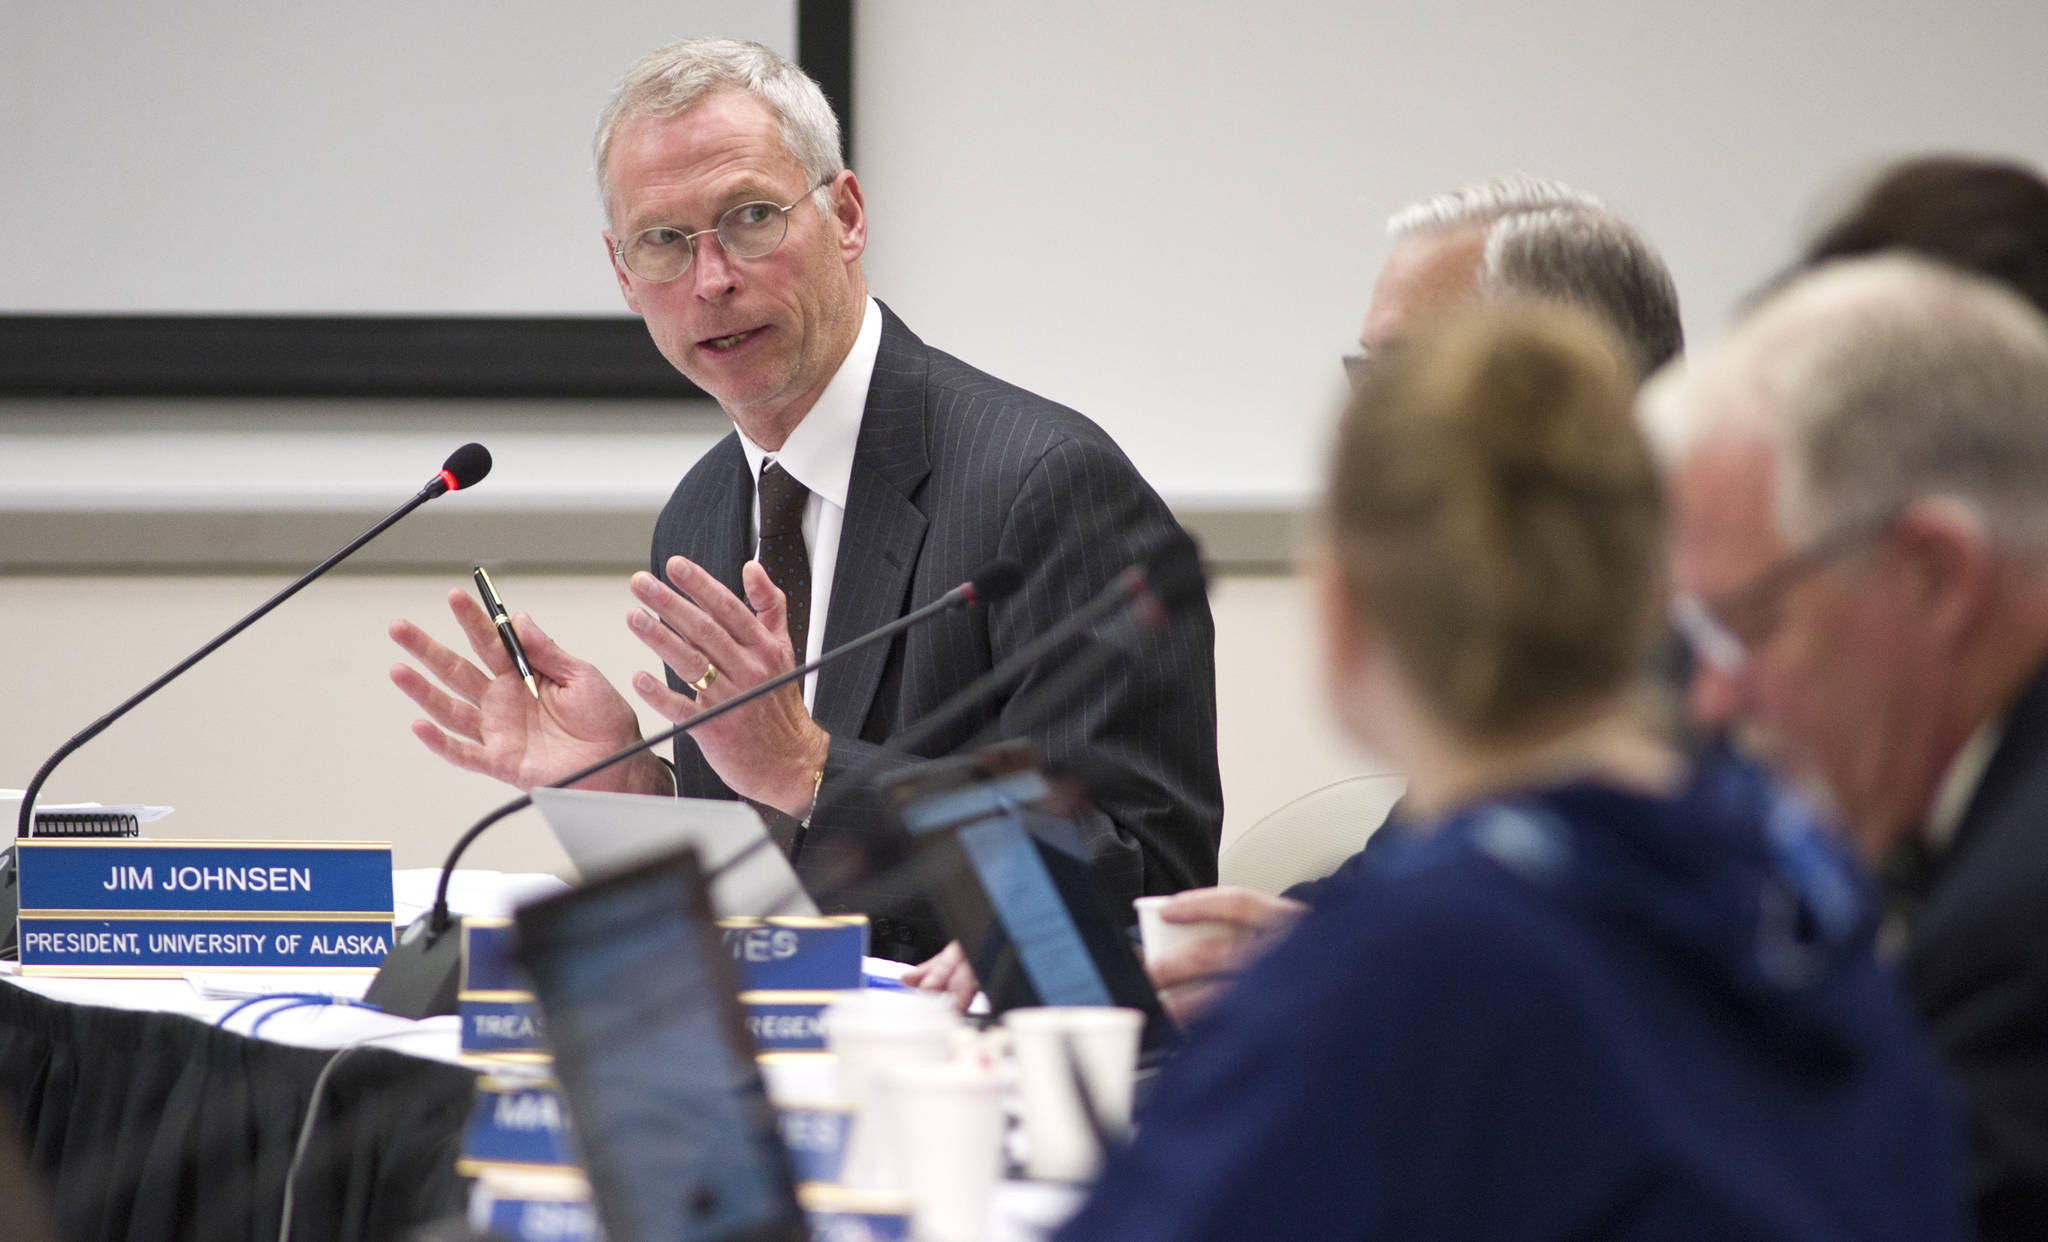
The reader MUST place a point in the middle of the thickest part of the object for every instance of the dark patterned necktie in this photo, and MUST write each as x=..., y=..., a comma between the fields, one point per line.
x=783, y=553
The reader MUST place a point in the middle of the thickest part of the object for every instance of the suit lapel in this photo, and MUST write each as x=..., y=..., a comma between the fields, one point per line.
x=883, y=530
x=2024, y=740
x=719, y=543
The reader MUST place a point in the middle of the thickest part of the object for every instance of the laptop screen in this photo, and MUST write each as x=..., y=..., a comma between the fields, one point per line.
x=1013, y=882
x=607, y=832
x=654, y=1060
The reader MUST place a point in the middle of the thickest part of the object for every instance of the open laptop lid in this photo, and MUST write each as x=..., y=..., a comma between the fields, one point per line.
x=654, y=1060
x=1014, y=885
x=605, y=833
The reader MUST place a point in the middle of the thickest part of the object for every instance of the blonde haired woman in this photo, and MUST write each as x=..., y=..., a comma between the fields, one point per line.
x=1596, y=992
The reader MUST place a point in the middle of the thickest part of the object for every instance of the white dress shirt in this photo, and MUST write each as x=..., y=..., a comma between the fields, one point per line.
x=819, y=455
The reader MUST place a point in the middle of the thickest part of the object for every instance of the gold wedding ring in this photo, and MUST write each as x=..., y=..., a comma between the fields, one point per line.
x=704, y=683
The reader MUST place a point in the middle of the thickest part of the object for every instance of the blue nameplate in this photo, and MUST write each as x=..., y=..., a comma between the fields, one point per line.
x=141, y=908
x=529, y=1219
x=815, y=1136
x=843, y=1214
x=797, y=953
x=535, y=1207
x=518, y=1123
x=206, y=877
x=144, y=945
x=787, y=1021
x=499, y=1016
x=490, y=1027
x=487, y=964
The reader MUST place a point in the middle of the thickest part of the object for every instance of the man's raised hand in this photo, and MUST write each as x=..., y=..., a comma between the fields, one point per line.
x=481, y=717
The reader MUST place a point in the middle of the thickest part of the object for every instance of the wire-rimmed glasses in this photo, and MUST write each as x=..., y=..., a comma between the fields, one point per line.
x=747, y=231
x=1725, y=633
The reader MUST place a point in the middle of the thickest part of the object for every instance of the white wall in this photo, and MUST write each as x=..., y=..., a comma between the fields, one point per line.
x=1168, y=212
x=382, y=156
x=1165, y=212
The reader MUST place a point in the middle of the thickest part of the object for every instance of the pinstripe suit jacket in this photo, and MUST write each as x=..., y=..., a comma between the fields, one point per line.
x=953, y=469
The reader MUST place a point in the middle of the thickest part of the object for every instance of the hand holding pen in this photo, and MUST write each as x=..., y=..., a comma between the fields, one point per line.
x=495, y=607
x=475, y=723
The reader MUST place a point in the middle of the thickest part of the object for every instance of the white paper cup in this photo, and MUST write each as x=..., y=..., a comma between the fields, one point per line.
x=870, y=1029
x=800, y=1077
x=1161, y=937
x=946, y=1123
x=1059, y=1142
x=814, y=1118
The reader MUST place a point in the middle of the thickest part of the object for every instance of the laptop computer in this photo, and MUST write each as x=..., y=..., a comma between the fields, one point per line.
x=604, y=833
x=651, y=1049
x=1010, y=875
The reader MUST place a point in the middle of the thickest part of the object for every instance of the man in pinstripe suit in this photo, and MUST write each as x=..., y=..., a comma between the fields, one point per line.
x=867, y=475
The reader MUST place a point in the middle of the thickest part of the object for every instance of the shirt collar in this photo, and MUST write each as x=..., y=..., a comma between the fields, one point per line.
x=1959, y=784
x=819, y=452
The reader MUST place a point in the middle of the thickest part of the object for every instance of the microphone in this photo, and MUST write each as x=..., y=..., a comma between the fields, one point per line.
x=418, y=977
x=465, y=467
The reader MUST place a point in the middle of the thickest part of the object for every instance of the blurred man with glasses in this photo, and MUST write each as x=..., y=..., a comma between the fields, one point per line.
x=1529, y=238
x=1859, y=480
x=867, y=474
x=1511, y=238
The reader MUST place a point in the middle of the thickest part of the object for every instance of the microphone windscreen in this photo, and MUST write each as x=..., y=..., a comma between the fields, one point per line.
x=467, y=466
x=1174, y=572
x=997, y=580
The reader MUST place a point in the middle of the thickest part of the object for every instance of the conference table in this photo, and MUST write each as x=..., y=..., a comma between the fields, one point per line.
x=154, y=1112
x=145, y=1121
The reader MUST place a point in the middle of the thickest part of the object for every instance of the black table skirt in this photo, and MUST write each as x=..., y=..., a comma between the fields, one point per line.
x=156, y=1127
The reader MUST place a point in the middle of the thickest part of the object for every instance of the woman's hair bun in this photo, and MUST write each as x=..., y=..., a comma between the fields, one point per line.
x=1497, y=515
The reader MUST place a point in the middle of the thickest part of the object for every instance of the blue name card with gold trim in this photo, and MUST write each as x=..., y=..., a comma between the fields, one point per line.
x=156, y=908
x=528, y=1214
x=795, y=952
x=495, y=1002
x=847, y=1214
x=516, y=1123
x=534, y=1205
x=787, y=1021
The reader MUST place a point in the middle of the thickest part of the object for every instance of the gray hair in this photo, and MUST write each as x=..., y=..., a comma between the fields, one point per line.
x=666, y=81
x=1880, y=381
x=1549, y=242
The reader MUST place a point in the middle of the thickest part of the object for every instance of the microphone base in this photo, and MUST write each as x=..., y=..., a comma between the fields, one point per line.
x=419, y=976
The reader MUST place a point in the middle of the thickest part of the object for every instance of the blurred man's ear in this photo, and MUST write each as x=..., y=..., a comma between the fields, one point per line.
x=1948, y=564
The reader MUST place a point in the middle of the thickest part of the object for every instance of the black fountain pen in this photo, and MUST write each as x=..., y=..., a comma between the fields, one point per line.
x=503, y=620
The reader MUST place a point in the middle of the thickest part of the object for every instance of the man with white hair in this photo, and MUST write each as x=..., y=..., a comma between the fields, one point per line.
x=1859, y=480
x=867, y=475
x=1513, y=237
x=1530, y=238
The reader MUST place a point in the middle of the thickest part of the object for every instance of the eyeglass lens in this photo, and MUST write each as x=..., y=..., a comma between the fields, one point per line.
x=747, y=231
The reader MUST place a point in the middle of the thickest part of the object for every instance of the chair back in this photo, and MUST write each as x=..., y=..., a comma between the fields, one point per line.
x=1307, y=838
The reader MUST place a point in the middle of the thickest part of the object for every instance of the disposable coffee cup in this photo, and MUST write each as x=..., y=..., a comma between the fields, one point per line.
x=867, y=1030
x=1052, y=1046
x=815, y=1120
x=1161, y=937
x=946, y=1123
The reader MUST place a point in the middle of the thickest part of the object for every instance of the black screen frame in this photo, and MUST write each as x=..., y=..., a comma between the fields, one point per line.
x=548, y=930
x=968, y=910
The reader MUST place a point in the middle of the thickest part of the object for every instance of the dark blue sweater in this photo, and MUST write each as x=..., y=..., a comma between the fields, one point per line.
x=1579, y=1013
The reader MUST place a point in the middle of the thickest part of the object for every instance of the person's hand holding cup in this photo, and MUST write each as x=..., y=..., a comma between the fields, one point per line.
x=1197, y=942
